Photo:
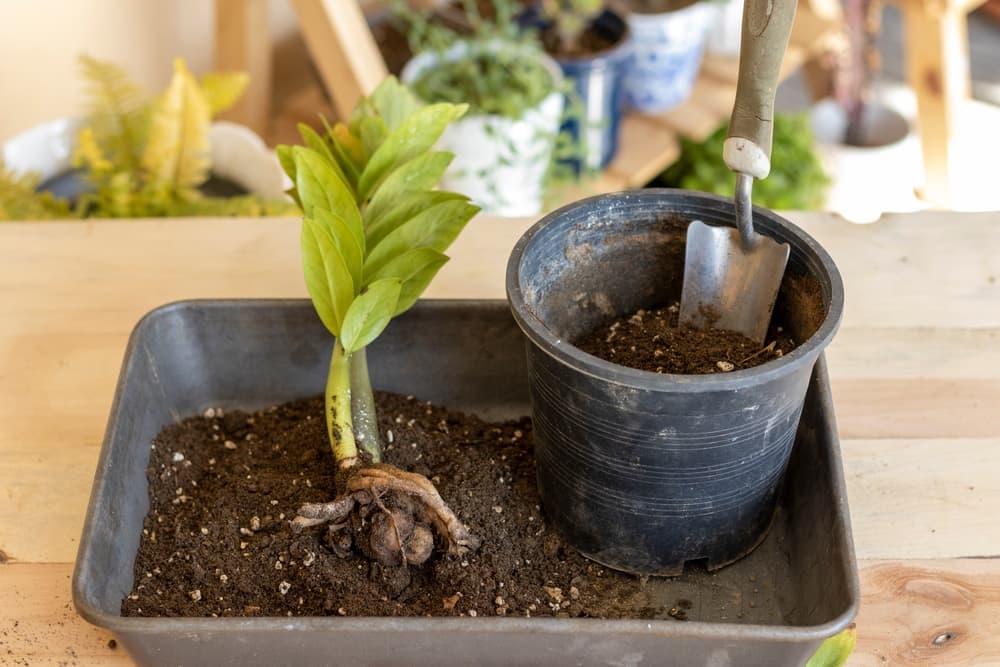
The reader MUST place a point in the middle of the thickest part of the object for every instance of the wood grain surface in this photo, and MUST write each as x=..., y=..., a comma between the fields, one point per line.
x=915, y=372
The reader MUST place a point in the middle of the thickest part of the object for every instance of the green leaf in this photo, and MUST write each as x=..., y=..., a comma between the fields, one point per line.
x=434, y=228
x=421, y=173
x=287, y=161
x=412, y=138
x=835, y=651
x=369, y=314
x=315, y=275
x=394, y=102
x=415, y=268
x=410, y=204
x=320, y=187
x=313, y=140
x=372, y=131
x=342, y=237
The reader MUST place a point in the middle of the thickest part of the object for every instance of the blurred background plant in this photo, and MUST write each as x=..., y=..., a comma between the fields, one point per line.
x=797, y=180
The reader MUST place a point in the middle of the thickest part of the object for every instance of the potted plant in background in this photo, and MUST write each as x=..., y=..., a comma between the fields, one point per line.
x=504, y=144
x=865, y=139
x=668, y=40
x=134, y=157
x=797, y=181
x=591, y=44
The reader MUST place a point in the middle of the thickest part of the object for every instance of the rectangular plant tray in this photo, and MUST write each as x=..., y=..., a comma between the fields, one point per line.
x=772, y=608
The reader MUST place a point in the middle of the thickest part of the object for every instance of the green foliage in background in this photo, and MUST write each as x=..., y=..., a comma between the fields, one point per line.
x=492, y=79
x=143, y=158
x=796, y=182
x=373, y=235
x=19, y=201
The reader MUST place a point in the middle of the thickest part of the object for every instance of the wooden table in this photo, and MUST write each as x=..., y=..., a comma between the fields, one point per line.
x=915, y=372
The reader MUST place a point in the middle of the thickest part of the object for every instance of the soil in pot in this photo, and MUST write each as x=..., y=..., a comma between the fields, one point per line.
x=651, y=340
x=216, y=540
x=591, y=42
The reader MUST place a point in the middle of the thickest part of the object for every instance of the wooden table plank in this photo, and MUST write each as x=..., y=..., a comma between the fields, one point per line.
x=914, y=373
x=907, y=604
x=924, y=498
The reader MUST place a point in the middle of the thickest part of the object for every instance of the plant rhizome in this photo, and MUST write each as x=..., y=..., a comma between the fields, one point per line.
x=373, y=236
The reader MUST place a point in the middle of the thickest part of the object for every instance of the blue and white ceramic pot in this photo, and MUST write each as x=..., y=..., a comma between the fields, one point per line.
x=667, y=50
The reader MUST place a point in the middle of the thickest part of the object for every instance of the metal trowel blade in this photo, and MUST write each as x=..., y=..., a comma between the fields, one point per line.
x=727, y=286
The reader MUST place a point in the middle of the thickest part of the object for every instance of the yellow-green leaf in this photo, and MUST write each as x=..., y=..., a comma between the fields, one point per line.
x=223, y=89
x=415, y=269
x=345, y=241
x=319, y=186
x=835, y=651
x=88, y=154
x=413, y=137
x=328, y=280
x=177, y=149
x=370, y=313
x=394, y=102
x=434, y=228
x=409, y=205
x=421, y=173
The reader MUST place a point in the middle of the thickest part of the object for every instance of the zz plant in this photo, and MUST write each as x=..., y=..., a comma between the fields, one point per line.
x=374, y=234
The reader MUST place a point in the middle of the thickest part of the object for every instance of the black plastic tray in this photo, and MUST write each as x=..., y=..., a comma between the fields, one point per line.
x=772, y=608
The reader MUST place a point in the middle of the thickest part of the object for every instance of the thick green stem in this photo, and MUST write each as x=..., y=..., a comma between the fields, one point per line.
x=363, y=407
x=339, y=422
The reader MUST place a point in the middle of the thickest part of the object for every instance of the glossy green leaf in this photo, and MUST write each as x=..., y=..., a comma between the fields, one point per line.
x=434, y=228
x=412, y=138
x=327, y=279
x=342, y=237
x=421, y=173
x=410, y=204
x=369, y=314
x=394, y=102
x=287, y=161
x=415, y=268
x=313, y=140
x=835, y=651
x=320, y=187
x=372, y=131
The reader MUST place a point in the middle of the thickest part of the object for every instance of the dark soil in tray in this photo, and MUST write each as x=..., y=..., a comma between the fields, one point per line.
x=650, y=340
x=216, y=540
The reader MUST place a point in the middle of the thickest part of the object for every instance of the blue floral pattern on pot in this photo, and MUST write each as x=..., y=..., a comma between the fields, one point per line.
x=667, y=51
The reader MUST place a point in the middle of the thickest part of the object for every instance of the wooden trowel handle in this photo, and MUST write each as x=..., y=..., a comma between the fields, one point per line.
x=767, y=25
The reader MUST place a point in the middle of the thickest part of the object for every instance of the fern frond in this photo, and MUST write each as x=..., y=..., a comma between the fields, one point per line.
x=117, y=111
x=223, y=89
x=177, y=148
x=20, y=201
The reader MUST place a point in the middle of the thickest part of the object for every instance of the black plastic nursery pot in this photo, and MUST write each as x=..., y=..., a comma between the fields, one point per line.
x=772, y=608
x=644, y=472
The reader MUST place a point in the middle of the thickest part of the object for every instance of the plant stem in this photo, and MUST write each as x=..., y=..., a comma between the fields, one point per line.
x=363, y=406
x=339, y=422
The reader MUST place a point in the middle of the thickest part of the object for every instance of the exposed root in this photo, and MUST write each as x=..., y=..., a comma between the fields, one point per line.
x=397, y=510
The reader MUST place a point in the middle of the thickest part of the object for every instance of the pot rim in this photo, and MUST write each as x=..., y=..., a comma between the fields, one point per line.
x=568, y=354
x=614, y=55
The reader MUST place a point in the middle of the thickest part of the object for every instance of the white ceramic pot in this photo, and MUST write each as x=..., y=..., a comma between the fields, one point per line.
x=500, y=163
x=667, y=51
x=725, y=30
x=869, y=180
x=237, y=153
